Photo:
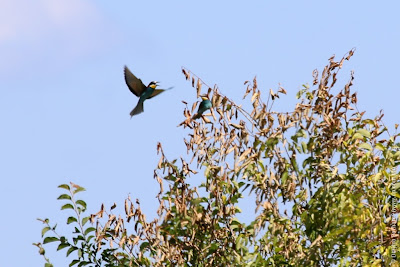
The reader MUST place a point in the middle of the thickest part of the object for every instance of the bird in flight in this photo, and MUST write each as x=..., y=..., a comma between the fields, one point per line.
x=140, y=90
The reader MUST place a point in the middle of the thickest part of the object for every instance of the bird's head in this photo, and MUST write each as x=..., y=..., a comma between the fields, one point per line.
x=204, y=97
x=153, y=84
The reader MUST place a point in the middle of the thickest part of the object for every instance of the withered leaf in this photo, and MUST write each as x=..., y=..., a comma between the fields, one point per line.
x=126, y=207
x=187, y=76
x=206, y=119
x=237, y=126
x=282, y=90
x=198, y=87
x=194, y=107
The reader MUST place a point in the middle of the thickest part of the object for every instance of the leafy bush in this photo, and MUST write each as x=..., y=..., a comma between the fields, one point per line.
x=321, y=176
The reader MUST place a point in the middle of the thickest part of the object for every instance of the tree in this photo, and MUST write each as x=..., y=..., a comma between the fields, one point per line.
x=323, y=177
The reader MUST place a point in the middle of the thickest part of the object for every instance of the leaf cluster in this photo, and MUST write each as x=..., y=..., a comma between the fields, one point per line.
x=324, y=179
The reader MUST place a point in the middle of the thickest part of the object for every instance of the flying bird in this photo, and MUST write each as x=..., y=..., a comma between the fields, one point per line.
x=137, y=88
x=204, y=105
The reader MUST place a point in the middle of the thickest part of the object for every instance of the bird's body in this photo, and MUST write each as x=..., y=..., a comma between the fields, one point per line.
x=143, y=96
x=137, y=87
x=204, y=105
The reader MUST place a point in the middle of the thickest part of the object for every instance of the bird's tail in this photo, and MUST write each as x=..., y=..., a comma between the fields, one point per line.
x=138, y=109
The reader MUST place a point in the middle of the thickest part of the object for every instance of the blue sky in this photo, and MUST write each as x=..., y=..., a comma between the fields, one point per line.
x=64, y=107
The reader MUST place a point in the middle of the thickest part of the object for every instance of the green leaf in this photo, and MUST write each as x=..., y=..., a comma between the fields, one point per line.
x=85, y=220
x=271, y=142
x=78, y=238
x=71, y=220
x=74, y=262
x=71, y=249
x=396, y=186
x=89, y=238
x=380, y=147
x=80, y=253
x=304, y=146
x=284, y=177
x=358, y=136
x=65, y=186
x=47, y=264
x=213, y=247
x=90, y=229
x=50, y=239
x=235, y=223
x=143, y=246
x=62, y=245
x=82, y=203
x=369, y=121
x=377, y=177
x=79, y=189
x=364, y=132
x=67, y=206
x=365, y=146
x=64, y=196
x=45, y=229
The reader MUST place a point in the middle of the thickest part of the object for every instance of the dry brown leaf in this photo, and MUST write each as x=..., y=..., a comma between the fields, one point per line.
x=126, y=207
x=206, y=119
x=351, y=53
x=237, y=126
x=282, y=90
x=212, y=113
x=244, y=154
x=187, y=76
x=254, y=96
x=194, y=107
x=198, y=87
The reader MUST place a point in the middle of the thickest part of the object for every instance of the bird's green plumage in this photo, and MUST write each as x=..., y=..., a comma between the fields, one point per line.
x=204, y=105
x=143, y=96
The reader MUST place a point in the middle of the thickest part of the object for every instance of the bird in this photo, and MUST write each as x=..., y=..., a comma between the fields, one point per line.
x=204, y=105
x=137, y=88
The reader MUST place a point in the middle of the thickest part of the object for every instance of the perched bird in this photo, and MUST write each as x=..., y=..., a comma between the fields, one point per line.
x=204, y=105
x=137, y=87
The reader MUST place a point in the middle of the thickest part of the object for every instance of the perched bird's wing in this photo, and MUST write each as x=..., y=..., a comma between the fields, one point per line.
x=135, y=84
x=158, y=91
x=204, y=105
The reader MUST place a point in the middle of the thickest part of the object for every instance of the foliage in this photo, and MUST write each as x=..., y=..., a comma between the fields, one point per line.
x=82, y=240
x=321, y=176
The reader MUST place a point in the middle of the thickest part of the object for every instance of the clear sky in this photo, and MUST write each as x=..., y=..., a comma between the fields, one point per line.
x=64, y=106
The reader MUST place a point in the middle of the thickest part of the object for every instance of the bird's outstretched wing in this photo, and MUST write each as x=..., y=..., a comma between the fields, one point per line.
x=158, y=91
x=135, y=84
